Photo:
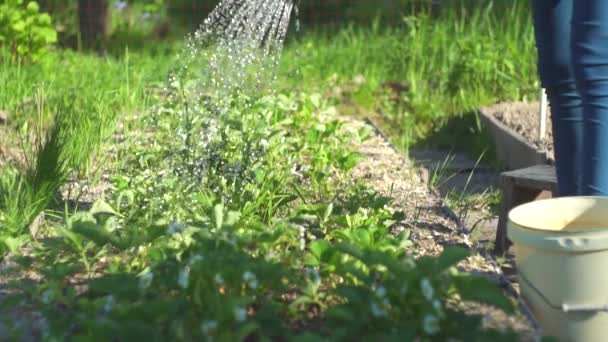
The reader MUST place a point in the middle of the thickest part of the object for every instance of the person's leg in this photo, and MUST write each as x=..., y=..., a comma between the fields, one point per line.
x=552, y=25
x=590, y=56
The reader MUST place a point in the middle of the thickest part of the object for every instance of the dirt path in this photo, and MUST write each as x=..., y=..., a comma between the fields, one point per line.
x=434, y=226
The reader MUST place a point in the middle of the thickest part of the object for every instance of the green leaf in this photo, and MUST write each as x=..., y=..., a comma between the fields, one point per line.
x=122, y=285
x=450, y=257
x=32, y=7
x=127, y=197
x=71, y=236
x=44, y=19
x=481, y=290
x=19, y=26
x=95, y=233
x=315, y=99
x=101, y=207
x=15, y=243
x=317, y=249
x=308, y=337
x=350, y=160
x=218, y=215
x=233, y=218
x=328, y=210
x=247, y=330
x=349, y=250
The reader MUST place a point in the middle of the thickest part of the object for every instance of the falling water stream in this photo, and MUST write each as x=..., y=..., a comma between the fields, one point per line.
x=234, y=54
x=239, y=45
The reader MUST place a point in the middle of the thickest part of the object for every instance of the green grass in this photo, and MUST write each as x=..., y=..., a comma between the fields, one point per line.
x=63, y=111
x=117, y=85
x=292, y=244
x=244, y=246
x=469, y=56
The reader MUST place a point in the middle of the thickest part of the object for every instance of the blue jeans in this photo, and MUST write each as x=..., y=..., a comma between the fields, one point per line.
x=572, y=44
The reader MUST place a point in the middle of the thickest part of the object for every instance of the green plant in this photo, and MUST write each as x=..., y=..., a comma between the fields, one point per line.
x=24, y=31
x=65, y=147
x=242, y=224
x=469, y=56
x=294, y=252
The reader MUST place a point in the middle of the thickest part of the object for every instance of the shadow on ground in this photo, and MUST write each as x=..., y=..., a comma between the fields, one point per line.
x=460, y=156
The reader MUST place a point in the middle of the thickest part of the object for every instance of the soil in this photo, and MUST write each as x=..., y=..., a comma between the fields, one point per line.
x=523, y=118
x=432, y=223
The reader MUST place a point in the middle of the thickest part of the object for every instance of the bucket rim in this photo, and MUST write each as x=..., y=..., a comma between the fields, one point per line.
x=520, y=225
x=572, y=240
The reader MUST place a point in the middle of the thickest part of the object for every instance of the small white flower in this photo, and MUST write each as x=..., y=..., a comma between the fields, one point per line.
x=195, y=259
x=381, y=292
x=316, y=277
x=294, y=170
x=47, y=296
x=240, y=314
x=208, y=326
x=377, y=311
x=218, y=279
x=183, y=278
x=438, y=307
x=427, y=289
x=430, y=324
x=386, y=302
x=120, y=5
x=174, y=228
x=146, y=280
x=107, y=306
x=264, y=144
x=409, y=263
x=302, y=237
x=250, y=279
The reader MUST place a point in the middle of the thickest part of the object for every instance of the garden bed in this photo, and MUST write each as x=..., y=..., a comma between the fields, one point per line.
x=433, y=225
x=515, y=127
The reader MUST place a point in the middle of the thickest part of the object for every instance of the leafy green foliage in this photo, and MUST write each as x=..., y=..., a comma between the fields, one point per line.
x=24, y=31
x=245, y=225
x=66, y=146
x=472, y=54
x=287, y=246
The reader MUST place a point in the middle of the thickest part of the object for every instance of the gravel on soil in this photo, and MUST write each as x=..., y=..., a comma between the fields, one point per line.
x=433, y=225
x=523, y=118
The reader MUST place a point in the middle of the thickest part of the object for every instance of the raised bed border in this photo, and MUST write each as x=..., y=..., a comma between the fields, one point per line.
x=511, y=147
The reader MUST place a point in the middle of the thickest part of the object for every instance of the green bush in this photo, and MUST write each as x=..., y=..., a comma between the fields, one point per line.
x=65, y=20
x=24, y=30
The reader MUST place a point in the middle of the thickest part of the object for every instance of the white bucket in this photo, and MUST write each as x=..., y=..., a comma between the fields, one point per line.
x=561, y=251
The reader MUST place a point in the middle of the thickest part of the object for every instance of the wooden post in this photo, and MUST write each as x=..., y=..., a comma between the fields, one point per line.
x=93, y=18
x=542, y=131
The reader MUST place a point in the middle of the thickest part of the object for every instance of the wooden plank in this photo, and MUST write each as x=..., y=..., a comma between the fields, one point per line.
x=541, y=177
x=514, y=196
x=519, y=187
x=501, y=241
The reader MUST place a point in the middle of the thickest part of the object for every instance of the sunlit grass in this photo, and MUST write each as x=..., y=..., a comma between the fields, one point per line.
x=472, y=54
